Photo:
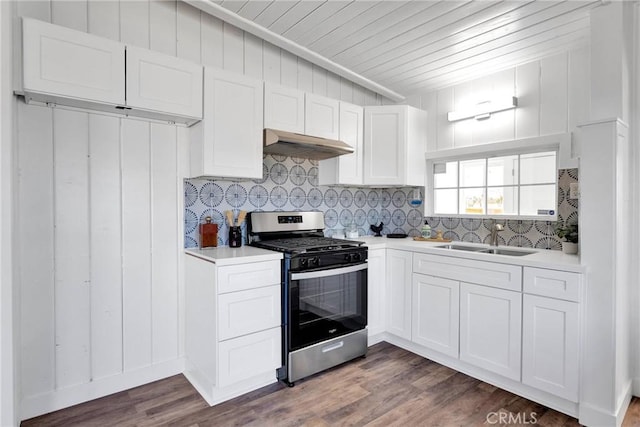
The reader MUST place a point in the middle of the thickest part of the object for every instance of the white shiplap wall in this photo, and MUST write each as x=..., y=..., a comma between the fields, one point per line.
x=100, y=209
x=553, y=97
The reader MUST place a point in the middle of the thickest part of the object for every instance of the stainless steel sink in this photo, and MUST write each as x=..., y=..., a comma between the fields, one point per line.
x=462, y=248
x=509, y=252
x=484, y=250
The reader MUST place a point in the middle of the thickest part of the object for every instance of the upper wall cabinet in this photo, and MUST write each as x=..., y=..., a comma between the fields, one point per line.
x=321, y=116
x=394, y=145
x=293, y=110
x=158, y=82
x=75, y=69
x=346, y=169
x=283, y=108
x=228, y=142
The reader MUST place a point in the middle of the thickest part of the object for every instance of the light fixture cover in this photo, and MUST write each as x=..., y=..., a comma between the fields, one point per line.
x=483, y=110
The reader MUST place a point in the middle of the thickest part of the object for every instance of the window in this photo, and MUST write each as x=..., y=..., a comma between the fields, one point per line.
x=519, y=185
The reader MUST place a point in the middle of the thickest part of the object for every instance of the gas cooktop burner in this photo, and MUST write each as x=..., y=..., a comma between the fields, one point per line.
x=306, y=244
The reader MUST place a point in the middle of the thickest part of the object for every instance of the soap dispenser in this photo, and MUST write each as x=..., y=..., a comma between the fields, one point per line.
x=426, y=230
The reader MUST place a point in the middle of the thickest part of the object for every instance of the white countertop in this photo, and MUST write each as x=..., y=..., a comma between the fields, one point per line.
x=225, y=255
x=555, y=260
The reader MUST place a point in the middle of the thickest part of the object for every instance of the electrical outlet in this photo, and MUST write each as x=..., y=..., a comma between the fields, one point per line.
x=574, y=190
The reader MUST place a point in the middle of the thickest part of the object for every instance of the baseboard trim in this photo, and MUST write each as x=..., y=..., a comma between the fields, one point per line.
x=594, y=416
x=635, y=386
x=34, y=406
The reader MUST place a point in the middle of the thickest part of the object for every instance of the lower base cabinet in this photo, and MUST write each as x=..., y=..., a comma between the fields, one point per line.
x=550, y=344
x=491, y=329
x=233, y=334
x=249, y=356
x=376, y=291
x=435, y=313
x=398, y=292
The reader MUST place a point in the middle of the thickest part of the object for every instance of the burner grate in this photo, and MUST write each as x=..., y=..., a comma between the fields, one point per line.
x=307, y=244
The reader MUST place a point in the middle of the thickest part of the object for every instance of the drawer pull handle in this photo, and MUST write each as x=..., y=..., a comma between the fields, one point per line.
x=333, y=347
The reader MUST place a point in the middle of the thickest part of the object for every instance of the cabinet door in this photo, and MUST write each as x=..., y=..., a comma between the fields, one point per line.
x=163, y=83
x=435, y=313
x=245, y=312
x=233, y=278
x=69, y=63
x=550, y=345
x=490, y=329
x=552, y=283
x=228, y=142
x=376, y=291
x=384, y=145
x=398, y=276
x=321, y=116
x=249, y=356
x=283, y=108
x=348, y=168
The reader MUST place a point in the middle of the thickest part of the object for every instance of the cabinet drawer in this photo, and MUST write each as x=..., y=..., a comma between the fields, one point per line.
x=249, y=356
x=497, y=275
x=552, y=283
x=245, y=312
x=248, y=276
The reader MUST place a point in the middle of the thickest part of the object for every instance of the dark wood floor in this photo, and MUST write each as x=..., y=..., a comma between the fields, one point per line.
x=390, y=387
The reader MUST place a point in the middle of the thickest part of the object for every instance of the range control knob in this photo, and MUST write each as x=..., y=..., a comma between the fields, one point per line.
x=347, y=257
x=356, y=257
x=304, y=262
x=315, y=261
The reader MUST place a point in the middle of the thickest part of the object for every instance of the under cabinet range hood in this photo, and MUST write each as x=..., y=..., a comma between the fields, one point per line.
x=303, y=146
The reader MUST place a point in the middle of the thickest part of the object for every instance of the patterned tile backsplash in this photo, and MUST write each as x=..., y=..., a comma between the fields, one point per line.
x=292, y=184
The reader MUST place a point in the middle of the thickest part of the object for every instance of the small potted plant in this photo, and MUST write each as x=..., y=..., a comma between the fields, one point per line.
x=569, y=233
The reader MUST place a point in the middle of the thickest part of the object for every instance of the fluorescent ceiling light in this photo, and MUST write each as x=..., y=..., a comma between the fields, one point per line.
x=483, y=110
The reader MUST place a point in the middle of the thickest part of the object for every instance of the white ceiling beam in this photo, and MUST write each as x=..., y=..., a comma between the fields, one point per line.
x=220, y=12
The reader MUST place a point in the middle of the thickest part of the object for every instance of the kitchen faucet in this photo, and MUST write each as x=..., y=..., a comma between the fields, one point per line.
x=495, y=228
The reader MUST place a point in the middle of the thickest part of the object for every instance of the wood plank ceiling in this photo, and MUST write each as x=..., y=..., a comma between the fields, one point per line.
x=418, y=46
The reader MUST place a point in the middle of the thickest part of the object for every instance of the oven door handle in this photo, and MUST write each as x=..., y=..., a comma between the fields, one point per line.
x=329, y=272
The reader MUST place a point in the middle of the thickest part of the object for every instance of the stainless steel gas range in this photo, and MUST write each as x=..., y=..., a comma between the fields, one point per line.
x=324, y=292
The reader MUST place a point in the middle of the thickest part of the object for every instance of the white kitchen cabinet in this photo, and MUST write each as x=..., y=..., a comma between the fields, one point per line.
x=435, y=313
x=348, y=168
x=228, y=141
x=321, y=116
x=492, y=274
x=376, y=292
x=551, y=331
x=394, y=145
x=491, y=329
x=398, y=292
x=244, y=312
x=550, y=345
x=62, y=62
x=163, y=83
x=552, y=283
x=69, y=68
x=283, y=108
x=249, y=356
x=233, y=330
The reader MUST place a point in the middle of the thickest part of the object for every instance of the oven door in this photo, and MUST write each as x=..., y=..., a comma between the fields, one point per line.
x=326, y=304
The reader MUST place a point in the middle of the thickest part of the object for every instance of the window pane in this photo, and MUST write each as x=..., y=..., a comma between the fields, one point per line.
x=538, y=168
x=446, y=179
x=502, y=201
x=446, y=201
x=472, y=201
x=472, y=173
x=502, y=171
x=537, y=198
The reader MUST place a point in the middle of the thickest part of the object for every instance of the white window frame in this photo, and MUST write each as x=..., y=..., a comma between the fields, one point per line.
x=561, y=144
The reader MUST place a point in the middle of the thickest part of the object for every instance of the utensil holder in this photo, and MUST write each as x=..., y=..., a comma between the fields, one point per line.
x=235, y=237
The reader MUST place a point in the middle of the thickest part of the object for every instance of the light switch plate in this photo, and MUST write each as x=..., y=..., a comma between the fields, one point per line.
x=574, y=190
